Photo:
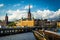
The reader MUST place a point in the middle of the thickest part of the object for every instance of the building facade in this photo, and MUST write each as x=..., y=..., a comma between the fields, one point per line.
x=29, y=22
x=6, y=20
x=4, y=23
x=58, y=24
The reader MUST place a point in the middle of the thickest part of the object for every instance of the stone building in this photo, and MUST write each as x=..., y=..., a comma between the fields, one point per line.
x=4, y=22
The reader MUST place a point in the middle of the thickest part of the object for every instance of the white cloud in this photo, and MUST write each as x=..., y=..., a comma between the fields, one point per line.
x=18, y=14
x=45, y=14
x=27, y=6
x=2, y=17
x=1, y=5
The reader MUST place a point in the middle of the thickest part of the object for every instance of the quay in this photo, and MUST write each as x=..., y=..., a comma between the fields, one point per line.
x=37, y=32
x=9, y=31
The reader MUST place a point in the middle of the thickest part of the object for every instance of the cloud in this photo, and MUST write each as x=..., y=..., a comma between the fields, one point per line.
x=45, y=14
x=2, y=17
x=1, y=5
x=17, y=14
x=27, y=6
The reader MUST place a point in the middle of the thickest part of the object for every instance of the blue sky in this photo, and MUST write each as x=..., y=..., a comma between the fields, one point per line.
x=42, y=5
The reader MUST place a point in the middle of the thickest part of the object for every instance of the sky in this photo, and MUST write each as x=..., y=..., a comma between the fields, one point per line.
x=16, y=9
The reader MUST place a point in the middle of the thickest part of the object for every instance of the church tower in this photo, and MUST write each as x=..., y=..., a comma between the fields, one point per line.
x=6, y=20
x=29, y=14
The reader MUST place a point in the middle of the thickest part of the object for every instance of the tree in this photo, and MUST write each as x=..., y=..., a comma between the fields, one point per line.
x=0, y=21
x=12, y=24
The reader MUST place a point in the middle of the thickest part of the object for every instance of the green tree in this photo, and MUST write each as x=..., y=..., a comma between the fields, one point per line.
x=0, y=21
x=12, y=24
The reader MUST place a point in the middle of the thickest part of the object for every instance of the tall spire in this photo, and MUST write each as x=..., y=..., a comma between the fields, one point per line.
x=29, y=14
x=29, y=8
x=6, y=14
x=6, y=20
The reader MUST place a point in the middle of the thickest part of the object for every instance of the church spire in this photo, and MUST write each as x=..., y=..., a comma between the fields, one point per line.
x=6, y=14
x=29, y=8
x=29, y=13
x=6, y=19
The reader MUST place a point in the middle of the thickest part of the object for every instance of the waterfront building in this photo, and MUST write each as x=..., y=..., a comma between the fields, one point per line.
x=2, y=23
x=29, y=22
x=50, y=24
x=6, y=20
x=58, y=24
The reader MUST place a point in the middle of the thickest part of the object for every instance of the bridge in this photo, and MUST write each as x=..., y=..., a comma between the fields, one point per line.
x=46, y=35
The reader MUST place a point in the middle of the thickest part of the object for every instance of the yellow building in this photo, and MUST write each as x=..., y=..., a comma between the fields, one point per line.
x=23, y=23
x=58, y=24
x=29, y=22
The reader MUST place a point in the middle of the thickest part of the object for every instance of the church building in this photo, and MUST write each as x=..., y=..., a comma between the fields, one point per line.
x=6, y=20
x=26, y=22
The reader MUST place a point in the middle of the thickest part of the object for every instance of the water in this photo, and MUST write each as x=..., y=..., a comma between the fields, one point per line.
x=58, y=30
x=23, y=36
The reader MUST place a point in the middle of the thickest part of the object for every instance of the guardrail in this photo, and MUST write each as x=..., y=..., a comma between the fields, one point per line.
x=47, y=35
x=52, y=35
x=38, y=35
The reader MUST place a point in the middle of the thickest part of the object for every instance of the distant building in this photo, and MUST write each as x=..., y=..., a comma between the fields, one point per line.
x=50, y=24
x=26, y=22
x=58, y=24
x=29, y=14
x=6, y=20
x=31, y=22
x=1, y=23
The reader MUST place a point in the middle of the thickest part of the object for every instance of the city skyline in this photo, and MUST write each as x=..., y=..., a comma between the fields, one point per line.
x=17, y=9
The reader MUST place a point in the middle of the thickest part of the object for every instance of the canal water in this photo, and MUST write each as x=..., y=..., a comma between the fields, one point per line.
x=58, y=30
x=23, y=36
